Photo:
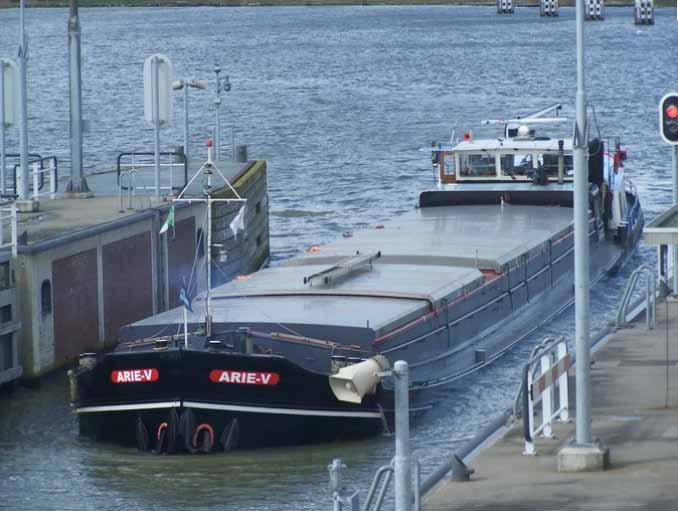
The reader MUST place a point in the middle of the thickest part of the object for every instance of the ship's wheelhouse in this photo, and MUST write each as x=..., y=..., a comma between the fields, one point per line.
x=505, y=159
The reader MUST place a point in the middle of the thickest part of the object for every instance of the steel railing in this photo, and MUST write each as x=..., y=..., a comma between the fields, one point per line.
x=8, y=219
x=650, y=297
x=39, y=168
x=8, y=186
x=140, y=161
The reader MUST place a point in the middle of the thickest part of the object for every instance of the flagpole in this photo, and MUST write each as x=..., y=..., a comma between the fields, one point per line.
x=185, y=328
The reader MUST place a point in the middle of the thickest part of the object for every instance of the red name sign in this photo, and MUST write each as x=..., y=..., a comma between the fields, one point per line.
x=245, y=377
x=135, y=376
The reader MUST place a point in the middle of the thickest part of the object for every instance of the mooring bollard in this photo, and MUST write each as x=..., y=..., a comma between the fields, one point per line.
x=337, y=489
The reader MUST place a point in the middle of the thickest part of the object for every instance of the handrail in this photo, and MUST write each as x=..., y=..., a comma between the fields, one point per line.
x=37, y=166
x=33, y=159
x=135, y=166
x=382, y=477
x=650, y=298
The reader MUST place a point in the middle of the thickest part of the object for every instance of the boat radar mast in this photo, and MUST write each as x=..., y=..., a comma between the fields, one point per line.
x=208, y=170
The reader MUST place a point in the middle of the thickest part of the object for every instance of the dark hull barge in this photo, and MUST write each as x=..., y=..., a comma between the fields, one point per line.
x=448, y=287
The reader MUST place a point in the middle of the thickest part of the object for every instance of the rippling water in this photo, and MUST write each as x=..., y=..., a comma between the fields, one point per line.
x=339, y=100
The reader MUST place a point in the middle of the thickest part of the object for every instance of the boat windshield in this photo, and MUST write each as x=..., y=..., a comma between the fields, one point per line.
x=522, y=164
x=478, y=164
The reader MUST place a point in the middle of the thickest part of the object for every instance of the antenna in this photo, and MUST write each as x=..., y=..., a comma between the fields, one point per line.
x=209, y=169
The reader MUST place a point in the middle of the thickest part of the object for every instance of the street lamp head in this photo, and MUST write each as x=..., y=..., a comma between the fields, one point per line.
x=217, y=69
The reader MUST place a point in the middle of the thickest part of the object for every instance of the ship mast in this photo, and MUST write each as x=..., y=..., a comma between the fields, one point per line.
x=208, y=170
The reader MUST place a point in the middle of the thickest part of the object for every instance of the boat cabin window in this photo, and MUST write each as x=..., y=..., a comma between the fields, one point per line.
x=550, y=163
x=524, y=164
x=477, y=165
x=448, y=167
x=517, y=164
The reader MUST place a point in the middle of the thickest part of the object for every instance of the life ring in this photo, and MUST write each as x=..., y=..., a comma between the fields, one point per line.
x=206, y=446
x=162, y=427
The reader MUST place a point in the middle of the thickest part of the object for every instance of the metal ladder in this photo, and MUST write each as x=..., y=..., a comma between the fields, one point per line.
x=650, y=298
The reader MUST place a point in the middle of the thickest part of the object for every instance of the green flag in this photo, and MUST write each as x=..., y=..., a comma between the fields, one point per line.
x=169, y=221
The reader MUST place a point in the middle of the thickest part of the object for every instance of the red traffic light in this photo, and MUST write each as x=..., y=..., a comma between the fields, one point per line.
x=668, y=118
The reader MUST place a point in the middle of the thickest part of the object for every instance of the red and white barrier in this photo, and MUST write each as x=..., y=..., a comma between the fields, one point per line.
x=541, y=388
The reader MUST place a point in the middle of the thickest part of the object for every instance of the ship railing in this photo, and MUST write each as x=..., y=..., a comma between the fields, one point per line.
x=633, y=214
x=173, y=171
x=544, y=373
x=630, y=292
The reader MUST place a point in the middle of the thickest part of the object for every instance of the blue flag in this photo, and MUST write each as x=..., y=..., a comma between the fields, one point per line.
x=184, y=299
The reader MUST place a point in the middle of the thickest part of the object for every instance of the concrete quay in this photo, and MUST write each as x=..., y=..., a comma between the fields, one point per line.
x=630, y=414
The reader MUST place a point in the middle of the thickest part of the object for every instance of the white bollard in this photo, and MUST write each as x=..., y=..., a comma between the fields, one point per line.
x=52, y=181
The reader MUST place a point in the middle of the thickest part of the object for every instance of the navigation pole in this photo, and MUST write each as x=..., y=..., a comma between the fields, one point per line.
x=584, y=454
x=78, y=183
x=22, y=191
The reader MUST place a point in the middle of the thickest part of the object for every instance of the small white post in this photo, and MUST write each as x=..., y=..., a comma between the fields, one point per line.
x=563, y=389
x=52, y=181
x=36, y=180
x=546, y=401
x=15, y=240
x=185, y=328
x=3, y=218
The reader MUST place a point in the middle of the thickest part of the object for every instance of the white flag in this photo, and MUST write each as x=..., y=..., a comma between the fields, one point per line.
x=238, y=223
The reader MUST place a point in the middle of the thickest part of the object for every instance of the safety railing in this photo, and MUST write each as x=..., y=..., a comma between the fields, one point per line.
x=8, y=174
x=126, y=189
x=143, y=164
x=40, y=170
x=8, y=227
x=632, y=214
x=376, y=495
x=650, y=297
x=543, y=374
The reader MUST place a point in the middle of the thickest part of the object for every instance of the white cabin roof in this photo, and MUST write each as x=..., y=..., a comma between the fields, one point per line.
x=512, y=144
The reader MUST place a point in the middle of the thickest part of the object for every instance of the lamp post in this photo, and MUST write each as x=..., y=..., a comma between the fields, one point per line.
x=78, y=183
x=584, y=454
x=222, y=85
x=23, y=106
x=185, y=85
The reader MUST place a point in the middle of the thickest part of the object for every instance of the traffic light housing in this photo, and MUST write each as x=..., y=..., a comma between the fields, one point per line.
x=668, y=118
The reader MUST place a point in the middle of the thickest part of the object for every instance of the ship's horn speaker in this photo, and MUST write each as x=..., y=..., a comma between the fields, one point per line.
x=351, y=383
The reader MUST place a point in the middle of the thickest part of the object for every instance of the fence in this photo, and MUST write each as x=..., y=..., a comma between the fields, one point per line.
x=135, y=171
x=8, y=226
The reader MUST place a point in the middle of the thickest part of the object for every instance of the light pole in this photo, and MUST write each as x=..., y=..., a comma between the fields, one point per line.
x=78, y=183
x=3, y=163
x=185, y=85
x=584, y=454
x=23, y=105
x=222, y=85
x=581, y=246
